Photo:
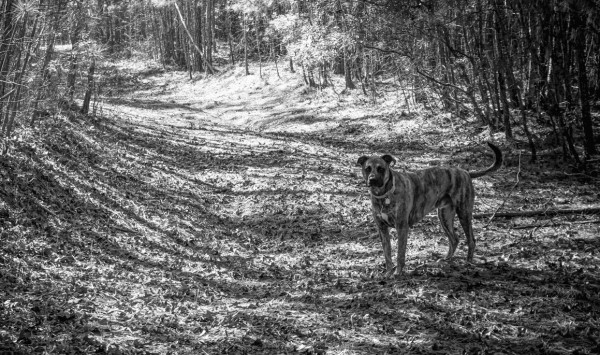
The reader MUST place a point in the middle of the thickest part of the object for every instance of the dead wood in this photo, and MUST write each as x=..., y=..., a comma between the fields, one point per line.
x=547, y=213
x=555, y=224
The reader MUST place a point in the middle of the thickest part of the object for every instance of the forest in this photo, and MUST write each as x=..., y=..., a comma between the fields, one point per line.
x=179, y=176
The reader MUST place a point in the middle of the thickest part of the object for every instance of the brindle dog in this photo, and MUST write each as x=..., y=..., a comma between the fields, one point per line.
x=401, y=199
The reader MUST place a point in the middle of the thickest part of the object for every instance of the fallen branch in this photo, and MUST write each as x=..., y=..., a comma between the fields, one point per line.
x=548, y=213
x=554, y=224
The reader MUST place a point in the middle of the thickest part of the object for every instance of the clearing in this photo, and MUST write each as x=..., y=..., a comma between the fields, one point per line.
x=225, y=215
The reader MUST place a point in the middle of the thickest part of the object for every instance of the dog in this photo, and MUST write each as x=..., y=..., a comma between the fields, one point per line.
x=401, y=199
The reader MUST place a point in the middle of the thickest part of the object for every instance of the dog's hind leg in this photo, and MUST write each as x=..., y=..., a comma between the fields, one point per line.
x=446, y=216
x=465, y=216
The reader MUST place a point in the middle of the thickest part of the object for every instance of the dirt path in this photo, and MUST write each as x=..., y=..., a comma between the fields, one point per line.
x=177, y=225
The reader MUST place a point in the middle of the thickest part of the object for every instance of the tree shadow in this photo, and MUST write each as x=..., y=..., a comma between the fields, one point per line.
x=142, y=221
x=152, y=104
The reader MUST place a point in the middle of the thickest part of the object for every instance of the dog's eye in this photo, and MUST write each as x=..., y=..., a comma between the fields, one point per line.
x=380, y=170
x=368, y=169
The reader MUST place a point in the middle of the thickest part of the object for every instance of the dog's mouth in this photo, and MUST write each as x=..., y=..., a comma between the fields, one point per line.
x=375, y=182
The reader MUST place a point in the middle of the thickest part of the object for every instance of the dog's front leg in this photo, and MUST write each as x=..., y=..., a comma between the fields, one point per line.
x=384, y=235
x=402, y=229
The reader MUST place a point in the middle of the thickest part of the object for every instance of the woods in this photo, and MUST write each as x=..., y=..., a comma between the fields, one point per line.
x=511, y=65
x=178, y=176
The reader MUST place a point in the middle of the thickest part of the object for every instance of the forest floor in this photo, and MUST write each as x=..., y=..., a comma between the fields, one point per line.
x=225, y=215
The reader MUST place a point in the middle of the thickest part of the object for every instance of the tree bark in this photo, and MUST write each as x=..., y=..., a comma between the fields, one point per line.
x=580, y=53
x=230, y=37
x=199, y=25
x=347, y=72
x=502, y=67
x=74, y=58
x=209, y=13
x=245, y=30
x=256, y=28
x=6, y=48
x=16, y=97
x=85, y=107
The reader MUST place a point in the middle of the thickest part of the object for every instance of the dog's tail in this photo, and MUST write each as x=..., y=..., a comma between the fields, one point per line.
x=493, y=167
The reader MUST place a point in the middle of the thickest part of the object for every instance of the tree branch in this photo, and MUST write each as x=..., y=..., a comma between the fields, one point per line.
x=441, y=83
x=384, y=50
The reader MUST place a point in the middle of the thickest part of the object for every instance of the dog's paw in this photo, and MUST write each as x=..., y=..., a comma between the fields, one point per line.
x=471, y=263
x=448, y=258
x=399, y=273
x=389, y=273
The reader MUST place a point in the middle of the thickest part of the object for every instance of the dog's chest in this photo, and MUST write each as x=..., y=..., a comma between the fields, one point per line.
x=384, y=210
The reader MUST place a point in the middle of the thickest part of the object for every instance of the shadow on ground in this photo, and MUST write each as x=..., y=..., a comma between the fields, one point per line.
x=131, y=238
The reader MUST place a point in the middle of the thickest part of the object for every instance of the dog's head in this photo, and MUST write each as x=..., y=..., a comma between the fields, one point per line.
x=376, y=170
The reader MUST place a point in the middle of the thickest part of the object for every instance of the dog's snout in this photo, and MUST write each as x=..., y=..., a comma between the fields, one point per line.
x=372, y=180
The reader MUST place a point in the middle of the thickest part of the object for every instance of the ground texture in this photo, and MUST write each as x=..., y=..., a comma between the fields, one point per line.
x=225, y=215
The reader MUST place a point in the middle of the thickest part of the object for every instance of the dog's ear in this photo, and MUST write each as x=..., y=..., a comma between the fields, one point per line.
x=390, y=160
x=361, y=161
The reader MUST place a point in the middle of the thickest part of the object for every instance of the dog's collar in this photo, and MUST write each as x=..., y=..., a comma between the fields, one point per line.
x=387, y=194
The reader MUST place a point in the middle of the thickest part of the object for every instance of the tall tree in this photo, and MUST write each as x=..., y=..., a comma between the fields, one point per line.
x=6, y=50
x=579, y=16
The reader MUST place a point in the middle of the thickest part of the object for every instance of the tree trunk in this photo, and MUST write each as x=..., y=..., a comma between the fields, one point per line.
x=85, y=107
x=16, y=100
x=245, y=30
x=502, y=67
x=257, y=19
x=526, y=130
x=199, y=23
x=344, y=67
x=230, y=37
x=6, y=48
x=209, y=68
x=347, y=72
x=74, y=58
x=44, y=76
x=580, y=52
x=209, y=12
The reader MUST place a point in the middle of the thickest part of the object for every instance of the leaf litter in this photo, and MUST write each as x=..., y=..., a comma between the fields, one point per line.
x=190, y=227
